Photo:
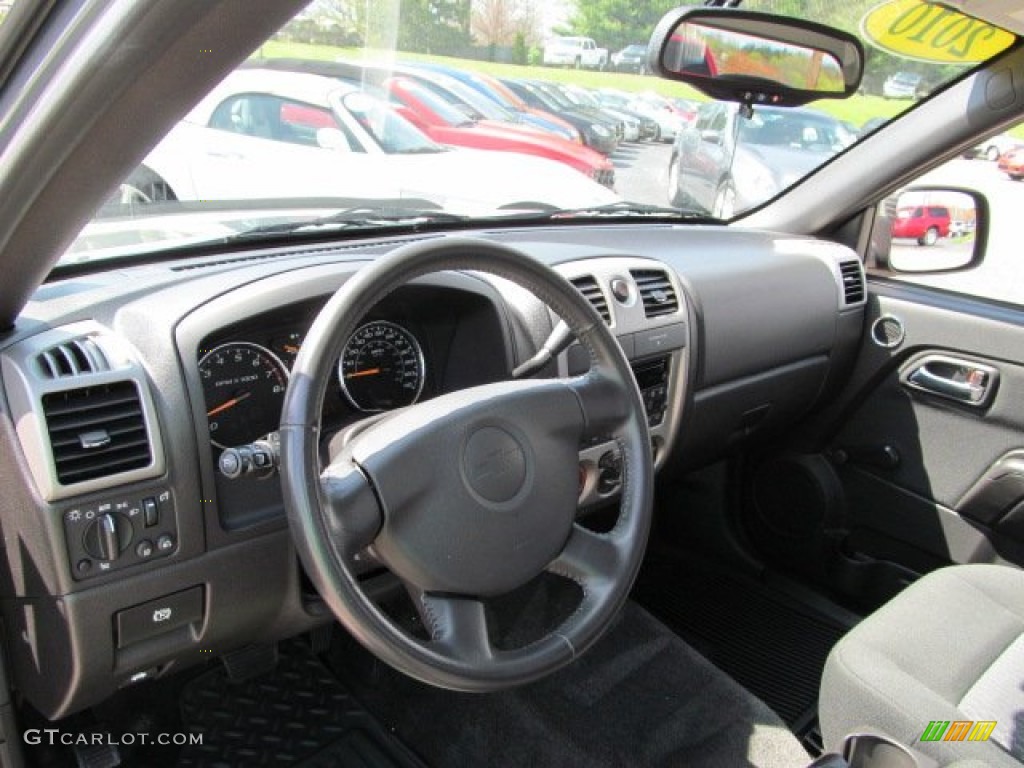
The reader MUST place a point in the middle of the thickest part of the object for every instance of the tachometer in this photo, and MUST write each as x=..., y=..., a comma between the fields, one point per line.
x=381, y=367
x=244, y=387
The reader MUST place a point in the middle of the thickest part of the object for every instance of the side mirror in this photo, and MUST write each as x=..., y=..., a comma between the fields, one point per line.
x=935, y=229
x=756, y=58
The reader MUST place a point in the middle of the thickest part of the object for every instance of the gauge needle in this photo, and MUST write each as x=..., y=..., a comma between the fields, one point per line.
x=364, y=372
x=229, y=404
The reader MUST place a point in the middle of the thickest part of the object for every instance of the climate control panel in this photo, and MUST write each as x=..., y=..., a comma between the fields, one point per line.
x=120, y=532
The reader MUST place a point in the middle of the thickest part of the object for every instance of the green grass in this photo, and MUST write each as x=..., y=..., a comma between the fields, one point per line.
x=856, y=110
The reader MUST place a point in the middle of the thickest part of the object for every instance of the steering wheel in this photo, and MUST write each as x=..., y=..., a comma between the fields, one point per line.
x=471, y=494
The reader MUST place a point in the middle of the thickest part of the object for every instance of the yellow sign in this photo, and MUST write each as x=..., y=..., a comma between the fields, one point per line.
x=914, y=29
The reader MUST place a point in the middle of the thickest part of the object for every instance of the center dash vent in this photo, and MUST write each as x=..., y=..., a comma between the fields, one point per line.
x=853, y=282
x=96, y=431
x=587, y=285
x=656, y=292
x=72, y=358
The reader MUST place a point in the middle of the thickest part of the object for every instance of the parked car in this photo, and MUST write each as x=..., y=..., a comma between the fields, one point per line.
x=494, y=90
x=620, y=102
x=670, y=118
x=598, y=132
x=994, y=147
x=924, y=223
x=903, y=85
x=447, y=125
x=578, y=52
x=586, y=98
x=632, y=58
x=1011, y=162
x=264, y=132
x=726, y=163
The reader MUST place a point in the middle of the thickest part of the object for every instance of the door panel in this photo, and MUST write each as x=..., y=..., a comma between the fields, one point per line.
x=923, y=439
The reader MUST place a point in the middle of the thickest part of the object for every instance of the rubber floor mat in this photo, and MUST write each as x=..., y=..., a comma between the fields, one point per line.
x=774, y=646
x=298, y=715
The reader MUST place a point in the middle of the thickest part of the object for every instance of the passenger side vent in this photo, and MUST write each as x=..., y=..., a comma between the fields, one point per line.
x=656, y=292
x=587, y=285
x=96, y=431
x=853, y=282
x=72, y=358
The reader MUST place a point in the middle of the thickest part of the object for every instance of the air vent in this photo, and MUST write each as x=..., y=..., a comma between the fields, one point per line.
x=72, y=358
x=587, y=285
x=656, y=292
x=96, y=431
x=853, y=282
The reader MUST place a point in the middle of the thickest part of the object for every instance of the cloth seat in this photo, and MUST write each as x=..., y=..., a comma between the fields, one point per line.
x=950, y=647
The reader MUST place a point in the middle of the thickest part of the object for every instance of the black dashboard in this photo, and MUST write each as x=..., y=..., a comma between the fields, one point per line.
x=730, y=333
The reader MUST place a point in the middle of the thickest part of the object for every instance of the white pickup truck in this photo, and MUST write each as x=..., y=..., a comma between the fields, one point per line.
x=578, y=52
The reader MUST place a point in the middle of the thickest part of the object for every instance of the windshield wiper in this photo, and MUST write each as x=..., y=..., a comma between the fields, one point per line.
x=358, y=217
x=622, y=209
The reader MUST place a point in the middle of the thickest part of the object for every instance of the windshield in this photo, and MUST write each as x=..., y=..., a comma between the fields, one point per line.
x=333, y=106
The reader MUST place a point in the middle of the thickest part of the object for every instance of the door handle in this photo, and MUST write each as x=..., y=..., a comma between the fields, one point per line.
x=964, y=381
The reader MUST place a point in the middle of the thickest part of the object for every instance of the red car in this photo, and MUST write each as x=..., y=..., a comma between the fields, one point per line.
x=924, y=223
x=1011, y=163
x=445, y=124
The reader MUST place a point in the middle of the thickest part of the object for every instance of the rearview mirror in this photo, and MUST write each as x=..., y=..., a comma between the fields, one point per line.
x=756, y=58
x=934, y=229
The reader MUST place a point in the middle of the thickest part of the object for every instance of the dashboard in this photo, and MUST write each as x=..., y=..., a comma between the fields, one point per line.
x=122, y=398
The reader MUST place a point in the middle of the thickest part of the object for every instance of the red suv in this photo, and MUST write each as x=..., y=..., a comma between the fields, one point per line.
x=925, y=223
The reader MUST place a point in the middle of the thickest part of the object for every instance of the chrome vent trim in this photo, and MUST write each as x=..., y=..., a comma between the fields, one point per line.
x=656, y=292
x=588, y=286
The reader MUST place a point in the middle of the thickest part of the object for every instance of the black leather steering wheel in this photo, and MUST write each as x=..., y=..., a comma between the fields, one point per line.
x=471, y=494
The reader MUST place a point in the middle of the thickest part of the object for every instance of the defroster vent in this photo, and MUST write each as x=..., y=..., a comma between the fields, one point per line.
x=97, y=431
x=853, y=282
x=72, y=358
x=587, y=285
x=656, y=292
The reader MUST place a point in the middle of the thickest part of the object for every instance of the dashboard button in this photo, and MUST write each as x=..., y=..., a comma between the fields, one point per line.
x=150, y=512
x=159, y=616
x=144, y=548
x=165, y=543
x=662, y=339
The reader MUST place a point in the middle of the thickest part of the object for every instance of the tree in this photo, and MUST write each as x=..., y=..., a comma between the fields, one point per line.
x=615, y=24
x=503, y=22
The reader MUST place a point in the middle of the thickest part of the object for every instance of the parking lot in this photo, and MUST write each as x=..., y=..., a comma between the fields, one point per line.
x=641, y=172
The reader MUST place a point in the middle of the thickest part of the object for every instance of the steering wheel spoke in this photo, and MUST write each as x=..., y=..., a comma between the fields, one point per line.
x=590, y=559
x=351, y=511
x=457, y=625
x=601, y=399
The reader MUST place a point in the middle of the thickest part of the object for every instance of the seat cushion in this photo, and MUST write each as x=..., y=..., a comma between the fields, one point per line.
x=950, y=647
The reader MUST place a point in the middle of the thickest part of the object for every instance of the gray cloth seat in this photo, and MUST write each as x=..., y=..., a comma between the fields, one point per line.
x=950, y=647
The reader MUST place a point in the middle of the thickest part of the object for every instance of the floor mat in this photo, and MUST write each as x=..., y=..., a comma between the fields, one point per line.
x=639, y=697
x=298, y=715
x=771, y=644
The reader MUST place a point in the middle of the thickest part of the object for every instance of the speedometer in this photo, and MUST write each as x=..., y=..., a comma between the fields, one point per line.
x=381, y=367
x=244, y=387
